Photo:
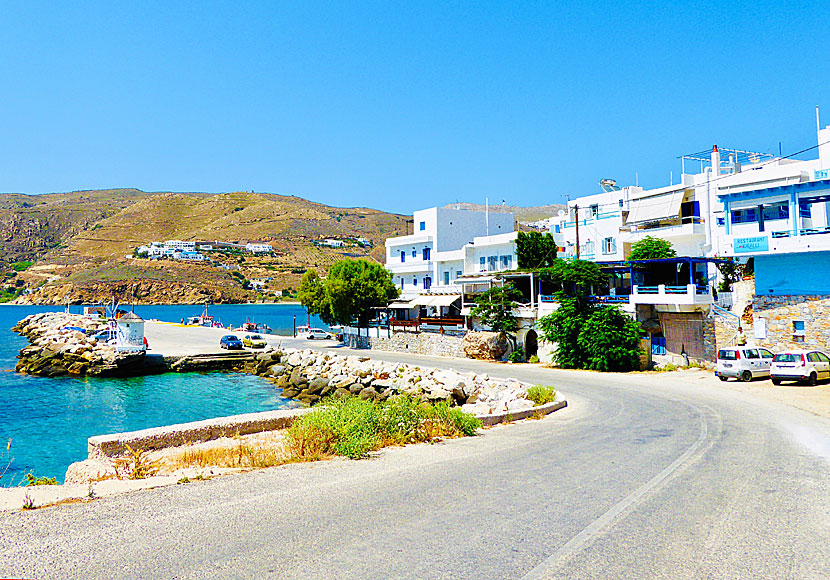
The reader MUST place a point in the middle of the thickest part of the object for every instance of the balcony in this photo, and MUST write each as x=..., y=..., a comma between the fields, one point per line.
x=688, y=295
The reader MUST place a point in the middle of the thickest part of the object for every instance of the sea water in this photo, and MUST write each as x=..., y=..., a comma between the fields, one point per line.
x=49, y=420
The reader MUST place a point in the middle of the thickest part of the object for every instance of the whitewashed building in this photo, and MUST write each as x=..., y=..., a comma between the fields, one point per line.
x=259, y=248
x=448, y=243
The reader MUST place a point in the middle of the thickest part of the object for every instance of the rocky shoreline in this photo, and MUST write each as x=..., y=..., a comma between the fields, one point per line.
x=58, y=348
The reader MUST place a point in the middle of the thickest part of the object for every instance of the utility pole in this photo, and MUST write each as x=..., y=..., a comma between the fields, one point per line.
x=576, y=215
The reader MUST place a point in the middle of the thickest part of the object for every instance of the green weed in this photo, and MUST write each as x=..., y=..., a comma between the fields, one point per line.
x=541, y=394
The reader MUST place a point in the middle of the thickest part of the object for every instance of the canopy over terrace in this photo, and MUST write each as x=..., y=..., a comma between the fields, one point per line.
x=676, y=271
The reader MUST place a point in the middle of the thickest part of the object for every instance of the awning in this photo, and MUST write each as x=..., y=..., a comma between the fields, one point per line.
x=400, y=304
x=421, y=300
x=657, y=207
x=466, y=311
x=444, y=299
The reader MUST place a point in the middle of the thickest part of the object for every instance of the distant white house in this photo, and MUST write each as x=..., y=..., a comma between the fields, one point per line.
x=180, y=245
x=331, y=243
x=190, y=256
x=255, y=248
x=363, y=242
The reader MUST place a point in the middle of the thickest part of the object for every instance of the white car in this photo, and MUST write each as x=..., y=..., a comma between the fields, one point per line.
x=316, y=333
x=743, y=363
x=809, y=366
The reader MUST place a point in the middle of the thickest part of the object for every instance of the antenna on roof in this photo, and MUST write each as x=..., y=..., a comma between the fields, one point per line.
x=818, y=124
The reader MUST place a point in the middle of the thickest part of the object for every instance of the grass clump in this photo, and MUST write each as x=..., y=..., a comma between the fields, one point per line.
x=533, y=359
x=352, y=427
x=541, y=394
x=243, y=455
x=137, y=465
x=29, y=479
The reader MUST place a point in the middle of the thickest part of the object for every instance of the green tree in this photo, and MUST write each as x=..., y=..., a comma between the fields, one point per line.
x=731, y=272
x=535, y=250
x=351, y=288
x=562, y=327
x=590, y=337
x=574, y=277
x=610, y=341
x=495, y=308
x=651, y=248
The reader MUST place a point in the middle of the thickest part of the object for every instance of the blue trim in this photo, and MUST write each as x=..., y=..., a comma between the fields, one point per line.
x=792, y=189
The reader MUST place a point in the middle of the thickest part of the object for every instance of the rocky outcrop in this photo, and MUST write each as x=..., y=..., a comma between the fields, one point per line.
x=61, y=345
x=485, y=345
x=141, y=292
x=309, y=376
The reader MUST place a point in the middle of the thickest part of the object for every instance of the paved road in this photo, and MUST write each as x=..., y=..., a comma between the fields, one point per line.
x=637, y=478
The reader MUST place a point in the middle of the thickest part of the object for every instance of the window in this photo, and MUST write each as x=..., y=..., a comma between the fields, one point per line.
x=458, y=273
x=492, y=263
x=813, y=357
x=822, y=357
x=588, y=248
x=804, y=211
x=403, y=256
x=765, y=353
x=799, y=330
x=777, y=211
x=482, y=263
x=745, y=216
x=621, y=203
x=422, y=226
x=751, y=353
x=594, y=211
x=557, y=229
x=609, y=246
x=690, y=209
x=426, y=254
x=414, y=252
x=727, y=355
x=427, y=282
x=415, y=282
x=446, y=278
x=402, y=282
x=506, y=262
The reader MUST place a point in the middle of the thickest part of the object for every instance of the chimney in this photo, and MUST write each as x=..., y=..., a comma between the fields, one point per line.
x=715, y=161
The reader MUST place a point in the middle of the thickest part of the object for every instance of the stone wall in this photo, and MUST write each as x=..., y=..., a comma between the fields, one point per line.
x=779, y=312
x=427, y=343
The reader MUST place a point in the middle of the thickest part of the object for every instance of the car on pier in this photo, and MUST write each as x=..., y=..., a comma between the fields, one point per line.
x=313, y=333
x=230, y=342
x=253, y=341
x=807, y=366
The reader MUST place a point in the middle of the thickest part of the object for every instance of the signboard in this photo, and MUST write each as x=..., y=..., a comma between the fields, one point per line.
x=751, y=245
x=760, y=328
x=822, y=174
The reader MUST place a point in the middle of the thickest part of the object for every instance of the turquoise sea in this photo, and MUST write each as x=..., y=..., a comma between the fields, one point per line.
x=49, y=420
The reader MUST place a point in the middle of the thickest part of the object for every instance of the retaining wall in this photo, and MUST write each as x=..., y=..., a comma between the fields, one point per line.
x=779, y=312
x=426, y=343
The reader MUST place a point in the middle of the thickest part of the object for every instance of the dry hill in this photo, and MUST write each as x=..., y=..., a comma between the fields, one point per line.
x=81, y=242
x=521, y=213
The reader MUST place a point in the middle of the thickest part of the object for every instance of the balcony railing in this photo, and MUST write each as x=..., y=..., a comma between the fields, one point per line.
x=666, y=294
x=802, y=232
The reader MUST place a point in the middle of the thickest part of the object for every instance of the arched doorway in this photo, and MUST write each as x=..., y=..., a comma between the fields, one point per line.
x=531, y=344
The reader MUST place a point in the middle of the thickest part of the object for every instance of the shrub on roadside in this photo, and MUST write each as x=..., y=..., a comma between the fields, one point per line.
x=541, y=394
x=352, y=427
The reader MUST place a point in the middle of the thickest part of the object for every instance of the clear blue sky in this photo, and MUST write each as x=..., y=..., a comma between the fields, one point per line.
x=399, y=105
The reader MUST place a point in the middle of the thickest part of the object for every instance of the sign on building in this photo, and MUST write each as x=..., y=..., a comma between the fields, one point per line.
x=751, y=245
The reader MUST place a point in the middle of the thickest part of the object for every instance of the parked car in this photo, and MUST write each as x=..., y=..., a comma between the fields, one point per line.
x=105, y=336
x=808, y=366
x=316, y=333
x=253, y=341
x=230, y=342
x=743, y=363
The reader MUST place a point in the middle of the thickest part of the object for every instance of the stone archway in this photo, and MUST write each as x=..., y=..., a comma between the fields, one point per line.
x=531, y=344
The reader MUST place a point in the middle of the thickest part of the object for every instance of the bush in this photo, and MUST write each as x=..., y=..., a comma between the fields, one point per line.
x=611, y=341
x=541, y=394
x=21, y=266
x=533, y=359
x=515, y=356
x=30, y=479
x=352, y=427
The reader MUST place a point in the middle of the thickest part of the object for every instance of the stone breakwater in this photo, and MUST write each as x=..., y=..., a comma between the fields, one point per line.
x=310, y=376
x=58, y=348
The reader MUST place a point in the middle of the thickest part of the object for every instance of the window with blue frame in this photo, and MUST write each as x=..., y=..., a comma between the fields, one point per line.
x=427, y=283
x=745, y=216
x=415, y=282
x=804, y=210
x=422, y=226
x=414, y=253
x=403, y=256
x=777, y=211
x=482, y=263
x=426, y=254
x=446, y=278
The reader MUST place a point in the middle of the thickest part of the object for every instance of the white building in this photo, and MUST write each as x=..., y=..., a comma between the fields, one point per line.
x=180, y=245
x=447, y=244
x=331, y=243
x=258, y=248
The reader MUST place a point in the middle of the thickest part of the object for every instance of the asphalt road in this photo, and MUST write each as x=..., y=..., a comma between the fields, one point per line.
x=639, y=477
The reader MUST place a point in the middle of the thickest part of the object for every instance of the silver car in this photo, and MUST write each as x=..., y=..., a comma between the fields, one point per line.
x=743, y=363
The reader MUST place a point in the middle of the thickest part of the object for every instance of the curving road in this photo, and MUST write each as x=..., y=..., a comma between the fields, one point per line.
x=639, y=477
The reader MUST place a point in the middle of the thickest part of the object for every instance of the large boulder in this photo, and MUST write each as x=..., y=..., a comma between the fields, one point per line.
x=485, y=345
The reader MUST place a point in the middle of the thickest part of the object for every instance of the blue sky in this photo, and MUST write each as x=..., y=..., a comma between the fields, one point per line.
x=395, y=105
